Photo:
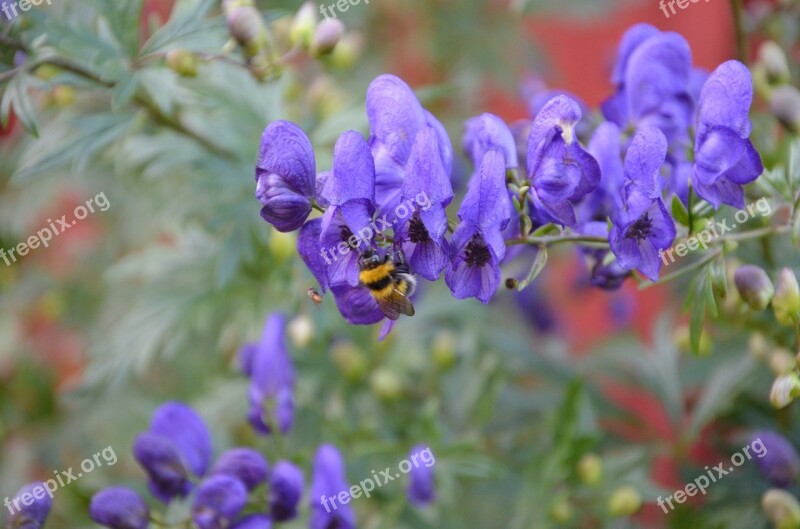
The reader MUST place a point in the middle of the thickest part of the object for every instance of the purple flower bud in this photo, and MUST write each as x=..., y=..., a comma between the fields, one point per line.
x=33, y=515
x=176, y=446
x=285, y=176
x=777, y=460
x=218, y=501
x=119, y=508
x=245, y=464
x=285, y=490
x=421, y=487
x=328, y=480
x=326, y=36
x=754, y=286
x=271, y=373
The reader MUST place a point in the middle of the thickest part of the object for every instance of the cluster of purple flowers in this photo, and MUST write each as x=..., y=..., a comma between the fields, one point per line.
x=669, y=129
x=176, y=453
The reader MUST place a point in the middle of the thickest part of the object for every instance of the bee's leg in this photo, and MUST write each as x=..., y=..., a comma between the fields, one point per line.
x=400, y=262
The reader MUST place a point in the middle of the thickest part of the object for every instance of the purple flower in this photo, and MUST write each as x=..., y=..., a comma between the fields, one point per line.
x=777, y=460
x=725, y=159
x=253, y=521
x=119, y=508
x=653, y=76
x=347, y=223
x=327, y=481
x=477, y=244
x=176, y=447
x=286, y=485
x=606, y=147
x=285, y=176
x=308, y=246
x=357, y=305
x=269, y=367
x=485, y=132
x=245, y=464
x=643, y=227
x=422, y=486
x=34, y=504
x=218, y=501
x=396, y=117
x=425, y=193
x=560, y=171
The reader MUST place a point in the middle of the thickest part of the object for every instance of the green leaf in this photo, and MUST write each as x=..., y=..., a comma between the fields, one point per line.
x=187, y=27
x=679, y=211
x=536, y=268
x=16, y=97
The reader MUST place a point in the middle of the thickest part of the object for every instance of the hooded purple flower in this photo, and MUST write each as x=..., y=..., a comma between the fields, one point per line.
x=269, y=367
x=643, y=226
x=310, y=251
x=218, y=501
x=477, y=244
x=560, y=171
x=34, y=505
x=347, y=223
x=725, y=159
x=286, y=485
x=253, y=521
x=328, y=480
x=421, y=486
x=119, y=508
x=653, y=76
x=285, y=176
x=425, y=193
x=777, y=460
x=606, y=147
x=396, y=117
x=485, y=132
x=175, y=448
x=245, y=464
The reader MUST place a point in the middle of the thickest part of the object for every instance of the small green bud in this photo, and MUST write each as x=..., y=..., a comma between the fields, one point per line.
x=303, y=25
x=561, y=511
x=785, y=105
x=386, y=384
x=754, y=286
x=444, y=349
x=590, y=469
x=63, y=95
x=786, y=302
x=282, y=245
x=347, y=52
x=784, y=390
x=247, y=27
x=182, y=62
x=301, y=330
x=772, y=57
x=781, y=361
x=624, y=501
x=781, y=508
x=758, y=345
x=350, y=360
x=327, y=35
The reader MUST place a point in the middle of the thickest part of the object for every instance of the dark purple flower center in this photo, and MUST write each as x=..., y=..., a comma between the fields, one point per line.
x=477, y=253
x=345, y=233
x=640, y=229
x=417, y=232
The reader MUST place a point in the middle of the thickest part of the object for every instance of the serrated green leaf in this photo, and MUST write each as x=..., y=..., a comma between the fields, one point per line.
x=16, y=97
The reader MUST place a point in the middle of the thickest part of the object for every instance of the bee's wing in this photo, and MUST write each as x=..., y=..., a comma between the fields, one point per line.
x=395, y=304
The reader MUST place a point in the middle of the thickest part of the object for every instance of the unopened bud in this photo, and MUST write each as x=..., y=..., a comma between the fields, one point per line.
x=758, y=345
x=624, y=501
x=561, y=511
x=772, y=57
x=785, y=389
x=347, y=52
x=182, y=62
x=781, y=361
x=590, y=469
x=386, y=384
x=786, y=302
x=247, y=27
x=781, y=508
x=282, y=245
x=327, y=35
x=754, y=286
x=301, y=330
x=304, y=25
x=350, y=360
x=444, y=351
x=785, y=105
x=63, y=95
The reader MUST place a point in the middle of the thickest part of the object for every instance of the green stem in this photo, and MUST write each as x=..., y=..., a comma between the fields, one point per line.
x=738, y=25
x=683, y=271
x=584, y=240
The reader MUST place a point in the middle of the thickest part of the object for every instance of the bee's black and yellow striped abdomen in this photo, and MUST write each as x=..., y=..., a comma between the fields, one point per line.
x=377, y=278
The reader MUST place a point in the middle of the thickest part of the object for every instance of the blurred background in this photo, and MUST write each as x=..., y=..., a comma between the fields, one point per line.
x=521, y=401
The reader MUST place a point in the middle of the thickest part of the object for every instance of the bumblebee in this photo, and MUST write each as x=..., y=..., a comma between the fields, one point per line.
x=389, y=281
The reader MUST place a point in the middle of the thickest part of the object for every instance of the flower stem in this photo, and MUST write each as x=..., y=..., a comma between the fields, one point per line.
x=683, y=271
x=583, y=240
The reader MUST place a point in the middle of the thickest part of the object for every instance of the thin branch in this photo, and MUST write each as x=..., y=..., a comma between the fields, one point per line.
x=584, y=240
